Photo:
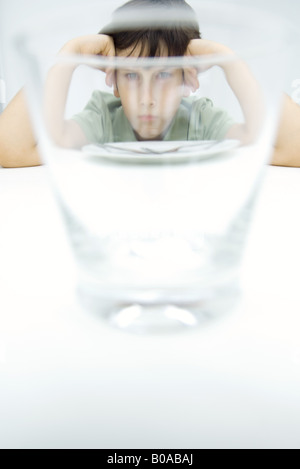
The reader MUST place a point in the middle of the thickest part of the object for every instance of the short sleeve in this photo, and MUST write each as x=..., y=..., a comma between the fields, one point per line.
x=208, y=122
x=94, y=119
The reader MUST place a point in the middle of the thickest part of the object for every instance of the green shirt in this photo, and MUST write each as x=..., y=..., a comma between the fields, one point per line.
x=103, y=120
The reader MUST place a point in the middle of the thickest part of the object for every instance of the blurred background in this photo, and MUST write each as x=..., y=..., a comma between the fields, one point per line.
x=16, y=15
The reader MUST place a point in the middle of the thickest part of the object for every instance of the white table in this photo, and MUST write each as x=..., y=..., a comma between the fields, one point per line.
x=70, y=381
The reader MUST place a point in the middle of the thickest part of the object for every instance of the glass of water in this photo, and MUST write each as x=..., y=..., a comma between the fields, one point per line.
x=156, y=153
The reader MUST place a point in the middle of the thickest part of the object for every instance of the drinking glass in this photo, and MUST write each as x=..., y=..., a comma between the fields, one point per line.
x=158, y=195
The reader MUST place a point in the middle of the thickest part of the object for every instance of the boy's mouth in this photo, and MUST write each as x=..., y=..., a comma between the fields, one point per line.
x=147, y=118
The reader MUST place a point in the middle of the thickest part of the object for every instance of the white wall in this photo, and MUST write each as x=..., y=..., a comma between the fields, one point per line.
x=15, y=13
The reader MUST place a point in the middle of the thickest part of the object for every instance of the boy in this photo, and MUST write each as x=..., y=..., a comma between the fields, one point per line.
x=150, y=104
x=142, y=118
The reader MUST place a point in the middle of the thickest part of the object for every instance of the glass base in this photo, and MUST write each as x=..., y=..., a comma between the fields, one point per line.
x=188, y=311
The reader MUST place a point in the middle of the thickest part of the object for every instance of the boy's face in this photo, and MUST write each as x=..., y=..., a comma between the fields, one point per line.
x=150, y=98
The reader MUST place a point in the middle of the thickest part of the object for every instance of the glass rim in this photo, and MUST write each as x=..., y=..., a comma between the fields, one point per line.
x=144, y=62
x=22, y=44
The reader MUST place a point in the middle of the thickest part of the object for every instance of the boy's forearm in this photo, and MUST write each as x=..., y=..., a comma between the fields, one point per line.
x=240, y=80
x=249, y=95
x=65, y=132
x=55, y=97
x=247, y=92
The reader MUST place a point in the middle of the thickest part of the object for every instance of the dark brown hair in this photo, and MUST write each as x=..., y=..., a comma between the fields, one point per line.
x=169, y=32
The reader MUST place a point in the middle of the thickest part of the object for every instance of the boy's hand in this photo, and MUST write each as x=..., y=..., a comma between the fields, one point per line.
x=206, y=47
x=92, y=44
x=201, y=47
x=191, y=82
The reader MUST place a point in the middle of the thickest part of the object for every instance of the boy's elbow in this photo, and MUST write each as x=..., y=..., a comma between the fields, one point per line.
x=285, y=157
x=23, y=159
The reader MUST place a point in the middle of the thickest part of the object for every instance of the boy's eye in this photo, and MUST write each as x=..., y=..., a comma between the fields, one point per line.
x=132, y=76
x=164, y=75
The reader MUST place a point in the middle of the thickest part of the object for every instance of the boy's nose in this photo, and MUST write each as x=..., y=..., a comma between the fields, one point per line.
x=147, y=97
